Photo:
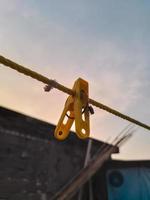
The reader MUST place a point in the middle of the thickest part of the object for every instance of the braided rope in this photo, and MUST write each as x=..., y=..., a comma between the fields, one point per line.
x=34, y=75
x=54, y=84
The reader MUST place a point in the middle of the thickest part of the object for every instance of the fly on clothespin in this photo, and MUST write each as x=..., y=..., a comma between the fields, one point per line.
x=76, y=110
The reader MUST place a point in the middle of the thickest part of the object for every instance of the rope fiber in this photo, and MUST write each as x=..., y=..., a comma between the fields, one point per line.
x=21, y=69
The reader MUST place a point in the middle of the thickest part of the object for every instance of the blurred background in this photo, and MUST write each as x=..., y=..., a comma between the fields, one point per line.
x=106, y=43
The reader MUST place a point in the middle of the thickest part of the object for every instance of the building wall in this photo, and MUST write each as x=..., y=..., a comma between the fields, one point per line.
x=128, y=180
x=33, y=165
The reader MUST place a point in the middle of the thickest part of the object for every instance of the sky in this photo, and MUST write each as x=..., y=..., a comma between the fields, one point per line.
x=105, y=42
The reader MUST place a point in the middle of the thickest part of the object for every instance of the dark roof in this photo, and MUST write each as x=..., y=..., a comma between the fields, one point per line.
x=32, y=162
x=127, y=164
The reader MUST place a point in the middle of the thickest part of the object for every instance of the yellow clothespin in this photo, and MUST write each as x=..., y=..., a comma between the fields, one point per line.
x=76, y=109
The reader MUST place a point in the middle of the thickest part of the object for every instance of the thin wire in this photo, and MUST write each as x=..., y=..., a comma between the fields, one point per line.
x=68, y=191
x=54, y=84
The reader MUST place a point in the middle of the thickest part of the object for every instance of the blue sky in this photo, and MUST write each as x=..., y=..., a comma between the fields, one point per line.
x=105, y=42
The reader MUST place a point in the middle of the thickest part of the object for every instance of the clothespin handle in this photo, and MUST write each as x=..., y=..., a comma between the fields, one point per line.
x=66, y=120
x=81, y=111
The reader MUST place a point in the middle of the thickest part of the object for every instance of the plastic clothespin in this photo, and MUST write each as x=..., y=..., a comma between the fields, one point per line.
x=75, y=109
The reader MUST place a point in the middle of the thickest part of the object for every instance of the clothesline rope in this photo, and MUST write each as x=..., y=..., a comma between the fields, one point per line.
x=54, y=84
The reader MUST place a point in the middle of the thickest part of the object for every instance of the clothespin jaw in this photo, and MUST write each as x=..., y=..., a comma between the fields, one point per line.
x=76, y=109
